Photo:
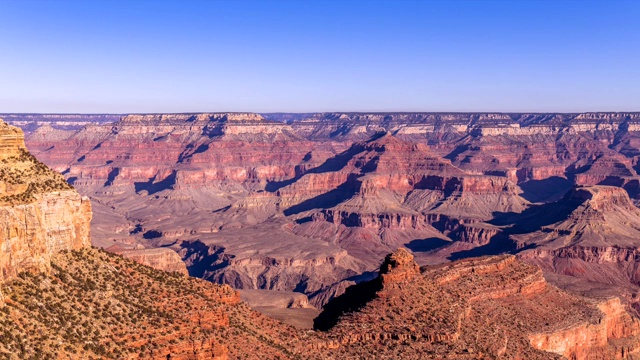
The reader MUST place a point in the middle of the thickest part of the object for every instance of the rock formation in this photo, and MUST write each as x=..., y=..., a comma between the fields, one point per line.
x=595, y=239
x=487, y=307
x=234, y=193
x=41, y=214
x=159, y=258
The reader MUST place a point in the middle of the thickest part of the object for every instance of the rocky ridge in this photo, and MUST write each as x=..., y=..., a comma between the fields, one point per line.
x=474, y=309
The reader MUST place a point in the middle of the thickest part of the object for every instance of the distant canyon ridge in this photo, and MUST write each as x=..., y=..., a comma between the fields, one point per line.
x=313, y=202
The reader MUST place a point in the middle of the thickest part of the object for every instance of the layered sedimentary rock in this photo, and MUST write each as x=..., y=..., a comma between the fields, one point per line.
x=11, y=141
x=595, y=239
x=32, y=122
x=33, y=232
x=41, y=214
x=353, y=184
x=160, y=258
x=251, y=259
x=291, y=218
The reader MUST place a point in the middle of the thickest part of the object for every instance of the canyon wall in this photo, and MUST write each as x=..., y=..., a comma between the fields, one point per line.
x=235, y=193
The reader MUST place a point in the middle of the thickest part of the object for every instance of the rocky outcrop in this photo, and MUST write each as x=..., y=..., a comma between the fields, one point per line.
x=160, y=258
x=483, y=307
x=41, y=214
x=11, y=141
x=33, y=232
x=398, y=266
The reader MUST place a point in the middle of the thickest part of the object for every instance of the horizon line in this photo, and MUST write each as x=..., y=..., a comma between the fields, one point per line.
x=322, y=112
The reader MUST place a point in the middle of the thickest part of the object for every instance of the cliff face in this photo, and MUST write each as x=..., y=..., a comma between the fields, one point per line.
x=33, y=232
x=615, y=336
x=11, y=141
x=161, y=258
x=41, y=214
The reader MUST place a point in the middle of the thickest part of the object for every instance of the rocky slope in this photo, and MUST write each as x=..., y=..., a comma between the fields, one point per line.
x=483, y=308
x=97, y=305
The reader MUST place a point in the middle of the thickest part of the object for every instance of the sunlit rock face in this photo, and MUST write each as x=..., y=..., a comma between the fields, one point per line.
x=41, y=214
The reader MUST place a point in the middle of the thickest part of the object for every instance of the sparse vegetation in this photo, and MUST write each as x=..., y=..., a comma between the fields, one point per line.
x=96, y=305
x=24, y=176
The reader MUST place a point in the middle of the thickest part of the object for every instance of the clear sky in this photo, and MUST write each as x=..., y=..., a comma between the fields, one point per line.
x=122, y=56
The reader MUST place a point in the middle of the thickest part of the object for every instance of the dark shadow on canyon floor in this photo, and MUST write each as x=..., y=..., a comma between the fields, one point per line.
x=332, y=164
x=153, y=187
x=428, y=244
x=203, y=257
x=499, y=244
x=533, y=219
x=354, y=298
x=326, y=200
x=550, y=189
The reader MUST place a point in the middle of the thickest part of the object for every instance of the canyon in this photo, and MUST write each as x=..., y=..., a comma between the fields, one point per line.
x=481, y=270
x=312, y=203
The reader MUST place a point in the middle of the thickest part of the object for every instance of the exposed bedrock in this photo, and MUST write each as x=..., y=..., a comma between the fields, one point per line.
x=41, y=213
x=33, y=232
x=160, y=258
x=497, y=306
x=363, y=184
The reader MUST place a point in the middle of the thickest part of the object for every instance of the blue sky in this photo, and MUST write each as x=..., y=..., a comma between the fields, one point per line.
x=122, y=56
